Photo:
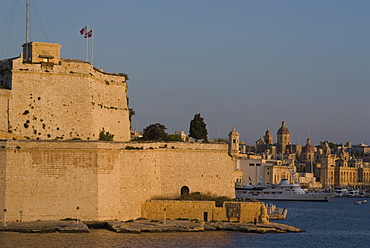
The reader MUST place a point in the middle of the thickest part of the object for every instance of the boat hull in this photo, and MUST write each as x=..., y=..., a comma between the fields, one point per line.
x=324, y=197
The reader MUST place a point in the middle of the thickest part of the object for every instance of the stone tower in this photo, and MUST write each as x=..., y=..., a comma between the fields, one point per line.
x=308, y=151
x=283, y=138
x=45, y=97
x=267, y=138
x=233, y=142
x=327, y=161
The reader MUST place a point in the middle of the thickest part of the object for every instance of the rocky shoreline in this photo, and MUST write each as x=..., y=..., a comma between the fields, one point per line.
x=144, y=226
x=47, y=226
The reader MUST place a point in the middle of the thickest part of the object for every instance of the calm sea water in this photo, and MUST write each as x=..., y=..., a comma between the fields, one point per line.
x=338, y=223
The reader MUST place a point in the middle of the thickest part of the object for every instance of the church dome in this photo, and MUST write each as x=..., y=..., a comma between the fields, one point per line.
x=283, y=129
x=308, y=147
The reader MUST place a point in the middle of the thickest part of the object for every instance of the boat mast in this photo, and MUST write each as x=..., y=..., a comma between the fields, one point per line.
x=27, y=27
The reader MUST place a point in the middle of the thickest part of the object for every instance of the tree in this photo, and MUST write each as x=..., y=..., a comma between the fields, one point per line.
x=198, y=128
x=106, y=136
x=173, y=137
x=155, y=132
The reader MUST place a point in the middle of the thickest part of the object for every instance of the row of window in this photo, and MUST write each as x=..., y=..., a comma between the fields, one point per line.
x=253, y=164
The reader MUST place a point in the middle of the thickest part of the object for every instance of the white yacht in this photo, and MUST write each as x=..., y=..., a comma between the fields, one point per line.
x=341, y=192
x=283, y=191
x=353, y=193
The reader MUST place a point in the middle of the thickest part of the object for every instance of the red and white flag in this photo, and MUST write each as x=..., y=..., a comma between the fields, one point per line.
x=88, y=34
x=83, y=31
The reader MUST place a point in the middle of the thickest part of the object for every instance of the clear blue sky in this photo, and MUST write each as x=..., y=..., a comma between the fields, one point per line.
x=249, y=64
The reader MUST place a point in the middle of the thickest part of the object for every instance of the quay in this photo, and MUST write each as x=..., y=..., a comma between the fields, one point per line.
x=144, y=226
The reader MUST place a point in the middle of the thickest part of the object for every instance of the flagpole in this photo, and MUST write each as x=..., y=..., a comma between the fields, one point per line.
x=25, y=56
x=87, y=44
x=92, y=47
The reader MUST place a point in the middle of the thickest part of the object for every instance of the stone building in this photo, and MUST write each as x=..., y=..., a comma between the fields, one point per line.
x=283, y=138
x=340, y=170
x=251, y=168
x=317, y=167
x=49, y=98
x=61, y=168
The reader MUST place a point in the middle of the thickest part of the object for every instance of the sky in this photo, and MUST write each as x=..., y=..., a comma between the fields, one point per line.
x=243, y=63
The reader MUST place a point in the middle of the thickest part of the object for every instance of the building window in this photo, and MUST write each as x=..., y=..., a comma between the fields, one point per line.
x=258, y=164
x=251, y=164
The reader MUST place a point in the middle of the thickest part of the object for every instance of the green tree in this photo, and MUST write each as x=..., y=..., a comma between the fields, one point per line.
x=155, y=132
x=174, y=137
x=106, y=136
x=198, y=128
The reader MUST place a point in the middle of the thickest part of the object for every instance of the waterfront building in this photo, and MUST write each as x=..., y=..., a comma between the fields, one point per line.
x=317, y=167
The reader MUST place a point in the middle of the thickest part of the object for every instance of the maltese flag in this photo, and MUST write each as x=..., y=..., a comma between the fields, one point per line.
x=88, y=34
x=83, y=31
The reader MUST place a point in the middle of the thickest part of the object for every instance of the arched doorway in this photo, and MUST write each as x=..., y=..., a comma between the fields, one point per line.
x=184, y=190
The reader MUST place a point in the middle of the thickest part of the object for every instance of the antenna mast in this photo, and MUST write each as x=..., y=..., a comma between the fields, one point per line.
x=27, y=27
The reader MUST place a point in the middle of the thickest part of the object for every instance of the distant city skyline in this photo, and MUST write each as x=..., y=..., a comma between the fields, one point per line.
x=249, y=64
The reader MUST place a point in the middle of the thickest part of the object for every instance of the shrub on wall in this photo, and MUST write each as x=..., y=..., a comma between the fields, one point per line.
x=106, y=136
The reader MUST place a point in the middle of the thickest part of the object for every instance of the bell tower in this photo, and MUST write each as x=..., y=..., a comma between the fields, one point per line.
x=268, y=137
x=233, y=142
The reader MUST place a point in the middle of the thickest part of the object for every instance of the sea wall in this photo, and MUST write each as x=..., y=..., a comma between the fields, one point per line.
x=203, y=210
x=92, y=180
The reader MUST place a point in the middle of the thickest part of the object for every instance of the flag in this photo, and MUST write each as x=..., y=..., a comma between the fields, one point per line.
x=83, y=31
x=88, y=34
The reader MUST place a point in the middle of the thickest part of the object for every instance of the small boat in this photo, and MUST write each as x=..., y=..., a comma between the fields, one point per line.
x=358, y=202
x=283, y=191
x=353, y=193
x=364, y=201
x=341, y=192
x=276, y=213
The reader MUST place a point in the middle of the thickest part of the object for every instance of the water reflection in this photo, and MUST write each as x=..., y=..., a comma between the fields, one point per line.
x=104, y=238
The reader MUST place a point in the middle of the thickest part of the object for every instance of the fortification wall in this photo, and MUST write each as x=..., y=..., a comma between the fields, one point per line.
x=4, y=100
x=2, y=178
x=202, y=210
x=65, y=101
x=48, y=180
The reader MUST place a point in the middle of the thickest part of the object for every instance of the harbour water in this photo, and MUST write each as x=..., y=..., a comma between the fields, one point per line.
x=337, y=223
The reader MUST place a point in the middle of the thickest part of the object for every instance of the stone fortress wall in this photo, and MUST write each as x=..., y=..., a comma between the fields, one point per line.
x=50, y=98
x=51, y=175
x=205, y=211
x=48, y=180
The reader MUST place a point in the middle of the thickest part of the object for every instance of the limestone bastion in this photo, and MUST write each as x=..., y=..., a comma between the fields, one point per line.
x=44, y=97
x=52, y=165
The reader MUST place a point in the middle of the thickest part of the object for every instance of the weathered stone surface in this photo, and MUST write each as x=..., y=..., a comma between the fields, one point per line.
x=48, y=180
x=139, y=226
x=45, y=227
x=149, y=226
x=250, y=227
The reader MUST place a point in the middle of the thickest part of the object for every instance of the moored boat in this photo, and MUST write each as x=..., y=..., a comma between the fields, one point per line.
x=283, y=191
x=341, y=192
